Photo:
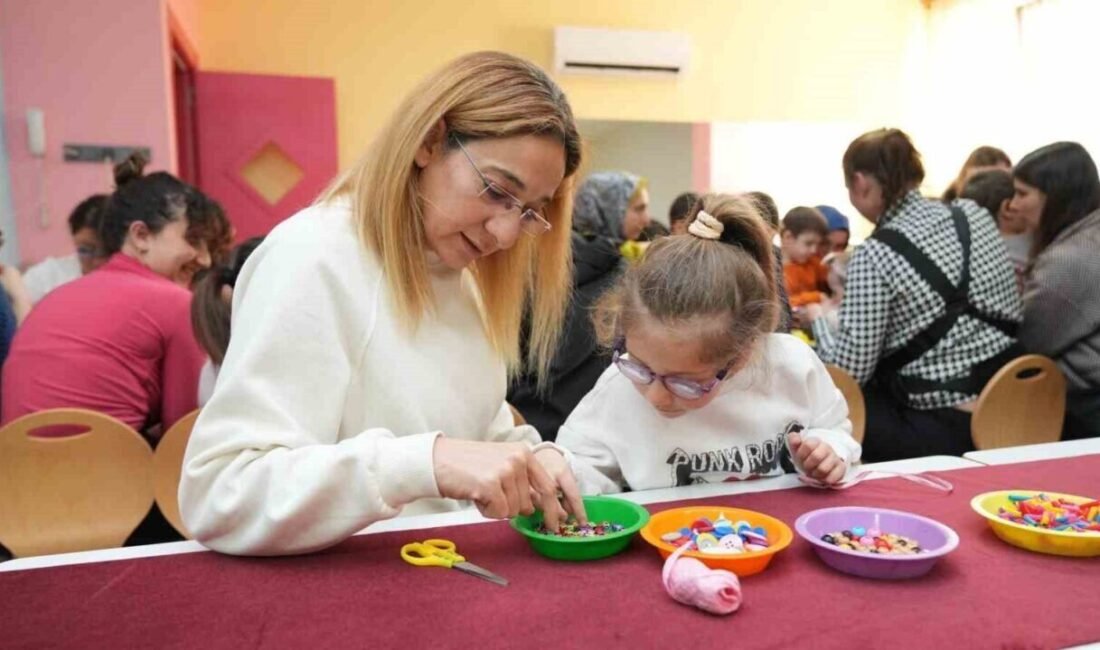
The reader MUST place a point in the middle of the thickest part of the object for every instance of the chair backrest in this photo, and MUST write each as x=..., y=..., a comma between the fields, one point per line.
x=853, y=394
x=1023, y=404
x=75, y=492
x=167, y=467
x=517, y=417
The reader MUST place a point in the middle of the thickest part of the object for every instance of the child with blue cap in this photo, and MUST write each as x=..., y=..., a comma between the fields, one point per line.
x=839, y=232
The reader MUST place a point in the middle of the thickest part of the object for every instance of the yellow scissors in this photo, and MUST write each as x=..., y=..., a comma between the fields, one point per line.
x=441, y=552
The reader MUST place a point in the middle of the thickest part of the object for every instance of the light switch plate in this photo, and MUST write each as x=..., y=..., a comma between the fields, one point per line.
x=100, y=152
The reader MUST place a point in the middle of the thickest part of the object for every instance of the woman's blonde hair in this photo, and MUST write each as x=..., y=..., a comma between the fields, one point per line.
x=728, y=282
x=479, y=95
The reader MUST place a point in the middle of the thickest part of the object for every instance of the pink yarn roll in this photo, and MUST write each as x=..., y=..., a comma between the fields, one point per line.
x=691, y=582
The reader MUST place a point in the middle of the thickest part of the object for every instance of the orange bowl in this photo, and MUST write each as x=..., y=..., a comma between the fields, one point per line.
x=744, y=564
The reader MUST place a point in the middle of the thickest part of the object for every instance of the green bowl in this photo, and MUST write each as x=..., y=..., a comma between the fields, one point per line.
x=577, y=549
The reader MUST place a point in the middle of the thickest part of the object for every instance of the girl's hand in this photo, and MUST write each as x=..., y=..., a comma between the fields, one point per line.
x=558, y=469
x=818, y=460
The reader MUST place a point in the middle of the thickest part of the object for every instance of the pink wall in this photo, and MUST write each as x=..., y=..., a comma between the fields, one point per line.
x=99, y=72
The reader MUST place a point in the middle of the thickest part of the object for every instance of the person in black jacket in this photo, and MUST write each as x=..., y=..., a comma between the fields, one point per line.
x=599, y=211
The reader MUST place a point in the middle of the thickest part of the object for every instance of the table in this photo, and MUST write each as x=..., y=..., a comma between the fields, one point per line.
x=912, y=465
x=1047, y=450
x=359, y=593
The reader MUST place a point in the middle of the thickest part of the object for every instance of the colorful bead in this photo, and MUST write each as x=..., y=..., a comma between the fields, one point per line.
x=1040, y=511
x=592, y=529
x=882, y=544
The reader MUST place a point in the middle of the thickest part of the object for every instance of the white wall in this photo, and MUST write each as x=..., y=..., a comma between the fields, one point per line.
x=797, y=163
x=659, y=151
x=977, y=72
x=996, y=75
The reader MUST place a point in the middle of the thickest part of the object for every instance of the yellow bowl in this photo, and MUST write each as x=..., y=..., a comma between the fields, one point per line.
x=1039, y=540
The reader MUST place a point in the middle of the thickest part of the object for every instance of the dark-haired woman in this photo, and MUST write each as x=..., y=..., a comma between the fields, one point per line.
x=119, y=340
x=1058, y=195
x=930, y=310
x=981, y=159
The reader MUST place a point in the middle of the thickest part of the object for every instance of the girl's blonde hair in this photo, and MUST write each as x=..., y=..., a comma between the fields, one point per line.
x=479, y=95
x=726, y=284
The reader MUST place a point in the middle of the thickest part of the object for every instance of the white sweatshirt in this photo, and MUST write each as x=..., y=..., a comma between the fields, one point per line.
x=616, y=440
x=325, y=414
x=50, y=274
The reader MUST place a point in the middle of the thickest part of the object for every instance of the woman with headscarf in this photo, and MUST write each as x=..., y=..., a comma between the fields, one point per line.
x=613, y=206
x=609, y=210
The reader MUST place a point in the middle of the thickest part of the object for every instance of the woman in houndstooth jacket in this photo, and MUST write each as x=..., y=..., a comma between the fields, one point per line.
x=930, y=310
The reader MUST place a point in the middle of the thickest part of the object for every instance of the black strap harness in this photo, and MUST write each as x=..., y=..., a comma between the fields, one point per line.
x=957, y=304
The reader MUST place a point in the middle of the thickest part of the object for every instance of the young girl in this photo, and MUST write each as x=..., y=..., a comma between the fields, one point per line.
x=701, y=390
x=211, y=309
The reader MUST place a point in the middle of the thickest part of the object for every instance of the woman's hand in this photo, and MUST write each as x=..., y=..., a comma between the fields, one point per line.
x=817, y=459
x=502, y=478
x=558, y=468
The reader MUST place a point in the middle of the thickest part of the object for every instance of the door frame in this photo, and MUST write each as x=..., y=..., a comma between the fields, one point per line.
x=184, y=61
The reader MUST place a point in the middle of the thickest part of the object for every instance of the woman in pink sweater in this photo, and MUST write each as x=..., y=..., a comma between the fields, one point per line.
x=119, y=340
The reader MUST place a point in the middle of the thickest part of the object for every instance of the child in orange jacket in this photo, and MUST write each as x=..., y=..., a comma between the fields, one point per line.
x=806, y=278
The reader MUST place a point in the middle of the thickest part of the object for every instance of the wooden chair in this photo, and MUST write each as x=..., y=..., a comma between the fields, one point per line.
x=167, y=468
x=1023, y=404
x=853, y=394
x=72, y=493
x=517, y=417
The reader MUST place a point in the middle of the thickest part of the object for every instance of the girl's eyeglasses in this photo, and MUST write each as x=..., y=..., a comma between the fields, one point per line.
x=640, y=374
x=530, y=221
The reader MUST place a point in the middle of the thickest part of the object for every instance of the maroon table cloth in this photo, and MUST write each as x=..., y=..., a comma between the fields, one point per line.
x=361, y=594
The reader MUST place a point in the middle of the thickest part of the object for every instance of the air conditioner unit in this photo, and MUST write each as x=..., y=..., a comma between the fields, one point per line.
x=620, y=51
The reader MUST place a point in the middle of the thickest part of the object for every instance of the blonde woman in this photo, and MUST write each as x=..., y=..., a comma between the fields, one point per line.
x=373, y=332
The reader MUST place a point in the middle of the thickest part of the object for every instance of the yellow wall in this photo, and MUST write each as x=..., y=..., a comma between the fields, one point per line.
x=753, y=59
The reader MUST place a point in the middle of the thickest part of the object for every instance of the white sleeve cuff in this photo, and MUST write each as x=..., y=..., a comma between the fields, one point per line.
x=406, y=468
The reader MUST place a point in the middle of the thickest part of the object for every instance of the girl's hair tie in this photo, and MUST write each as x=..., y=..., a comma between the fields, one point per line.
x=706, y=226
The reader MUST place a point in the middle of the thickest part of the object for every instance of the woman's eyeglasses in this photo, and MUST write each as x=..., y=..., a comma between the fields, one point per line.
x=640, y=374
x=530, y=221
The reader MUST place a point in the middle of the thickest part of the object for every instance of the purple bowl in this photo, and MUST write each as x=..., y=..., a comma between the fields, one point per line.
x=937, y=540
